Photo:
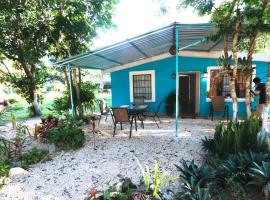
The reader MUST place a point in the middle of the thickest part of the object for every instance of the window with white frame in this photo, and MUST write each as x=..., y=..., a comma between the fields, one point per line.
x=142, y=84
x=223, y=83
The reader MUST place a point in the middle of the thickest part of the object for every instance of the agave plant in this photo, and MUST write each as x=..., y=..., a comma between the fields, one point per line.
x=201, y=194
x=193, y=191
x=235, y=137
x=153, y=187
x=208, y=144
x=202, y=174
x=261, y=176
x=247, y=158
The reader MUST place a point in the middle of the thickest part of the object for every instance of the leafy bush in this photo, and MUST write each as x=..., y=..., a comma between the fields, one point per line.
x=46, y=125
x=87, y=97
x=32, y=157
x=125, y=192
x=234, y=137
x=67, y=135
x=5, y=165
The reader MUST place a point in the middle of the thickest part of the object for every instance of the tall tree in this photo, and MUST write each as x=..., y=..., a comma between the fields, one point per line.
x=255, y=20
x=73, y=28
x=227, y=17
x=30, y=30
x=23, y=40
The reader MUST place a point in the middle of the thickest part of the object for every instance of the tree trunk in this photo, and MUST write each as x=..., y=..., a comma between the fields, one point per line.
x=265, y=113
x=235, y=66
x=251, y=46
x=66, y=76
x=77, y=90
x=250, y=70
x=36, y=105
x=80, y=87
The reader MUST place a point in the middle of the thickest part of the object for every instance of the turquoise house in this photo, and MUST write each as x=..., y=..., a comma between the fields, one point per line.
x=194, y=74
x=177, y=58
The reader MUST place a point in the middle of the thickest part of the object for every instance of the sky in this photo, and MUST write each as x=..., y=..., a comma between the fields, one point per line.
x=135, y=17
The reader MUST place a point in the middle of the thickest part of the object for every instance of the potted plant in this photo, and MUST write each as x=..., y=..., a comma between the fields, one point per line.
x=170, y=104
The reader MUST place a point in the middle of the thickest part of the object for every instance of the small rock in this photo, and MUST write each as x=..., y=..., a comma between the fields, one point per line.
x=17, y=172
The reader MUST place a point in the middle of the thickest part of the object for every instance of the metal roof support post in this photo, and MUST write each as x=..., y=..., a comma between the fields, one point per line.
x=176, y=80
x=71, y=91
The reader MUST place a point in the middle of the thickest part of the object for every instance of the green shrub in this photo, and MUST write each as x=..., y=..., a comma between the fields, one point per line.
x=67, y=135
x=87, y=97
x=235, y=137
x=32, y=157
x=5, y=165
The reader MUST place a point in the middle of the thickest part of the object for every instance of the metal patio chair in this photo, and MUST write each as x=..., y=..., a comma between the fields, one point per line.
x=153, y=113
x=104, y=110
x=138, y=100
x=121, y=116
x=218, y=105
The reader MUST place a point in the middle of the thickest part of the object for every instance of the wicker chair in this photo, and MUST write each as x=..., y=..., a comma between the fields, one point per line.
x=217, y=105
x=121, y=116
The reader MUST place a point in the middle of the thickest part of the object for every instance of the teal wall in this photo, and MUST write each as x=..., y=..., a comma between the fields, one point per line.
x=165, y=84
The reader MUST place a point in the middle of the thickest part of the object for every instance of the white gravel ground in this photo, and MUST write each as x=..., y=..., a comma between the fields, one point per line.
x=70, y=175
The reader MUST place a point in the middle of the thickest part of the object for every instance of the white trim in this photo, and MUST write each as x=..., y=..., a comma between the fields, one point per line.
x=227, y=99
x=196, y=54
x=153, y=83
x=263, y=57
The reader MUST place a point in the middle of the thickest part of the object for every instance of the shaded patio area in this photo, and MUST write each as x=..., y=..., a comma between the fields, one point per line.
x=70, y=175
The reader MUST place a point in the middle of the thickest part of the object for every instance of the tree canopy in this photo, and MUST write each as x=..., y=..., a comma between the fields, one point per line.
x=31, y=30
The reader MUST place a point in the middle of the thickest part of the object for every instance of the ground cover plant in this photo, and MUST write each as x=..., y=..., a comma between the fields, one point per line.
x=236, y=165
x=235, y=137
x=67, y=134
x=5, y=165
x=32, y=157
x=149, y=188
x=237, y=177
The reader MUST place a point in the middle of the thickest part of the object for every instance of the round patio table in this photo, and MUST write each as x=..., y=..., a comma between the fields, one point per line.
x=136, y=113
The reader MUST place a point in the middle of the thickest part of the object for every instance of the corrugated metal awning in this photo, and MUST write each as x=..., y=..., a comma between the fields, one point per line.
x=148, y=45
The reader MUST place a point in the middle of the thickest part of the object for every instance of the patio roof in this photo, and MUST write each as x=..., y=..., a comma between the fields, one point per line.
x=192, y=37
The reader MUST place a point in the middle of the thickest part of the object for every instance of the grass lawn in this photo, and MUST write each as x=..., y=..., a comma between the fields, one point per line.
x=20, y=108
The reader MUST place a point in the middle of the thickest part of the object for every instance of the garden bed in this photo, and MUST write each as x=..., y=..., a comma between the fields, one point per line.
x=71, y=175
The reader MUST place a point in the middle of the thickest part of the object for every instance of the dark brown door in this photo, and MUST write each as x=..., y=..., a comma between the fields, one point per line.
x=187, y=95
